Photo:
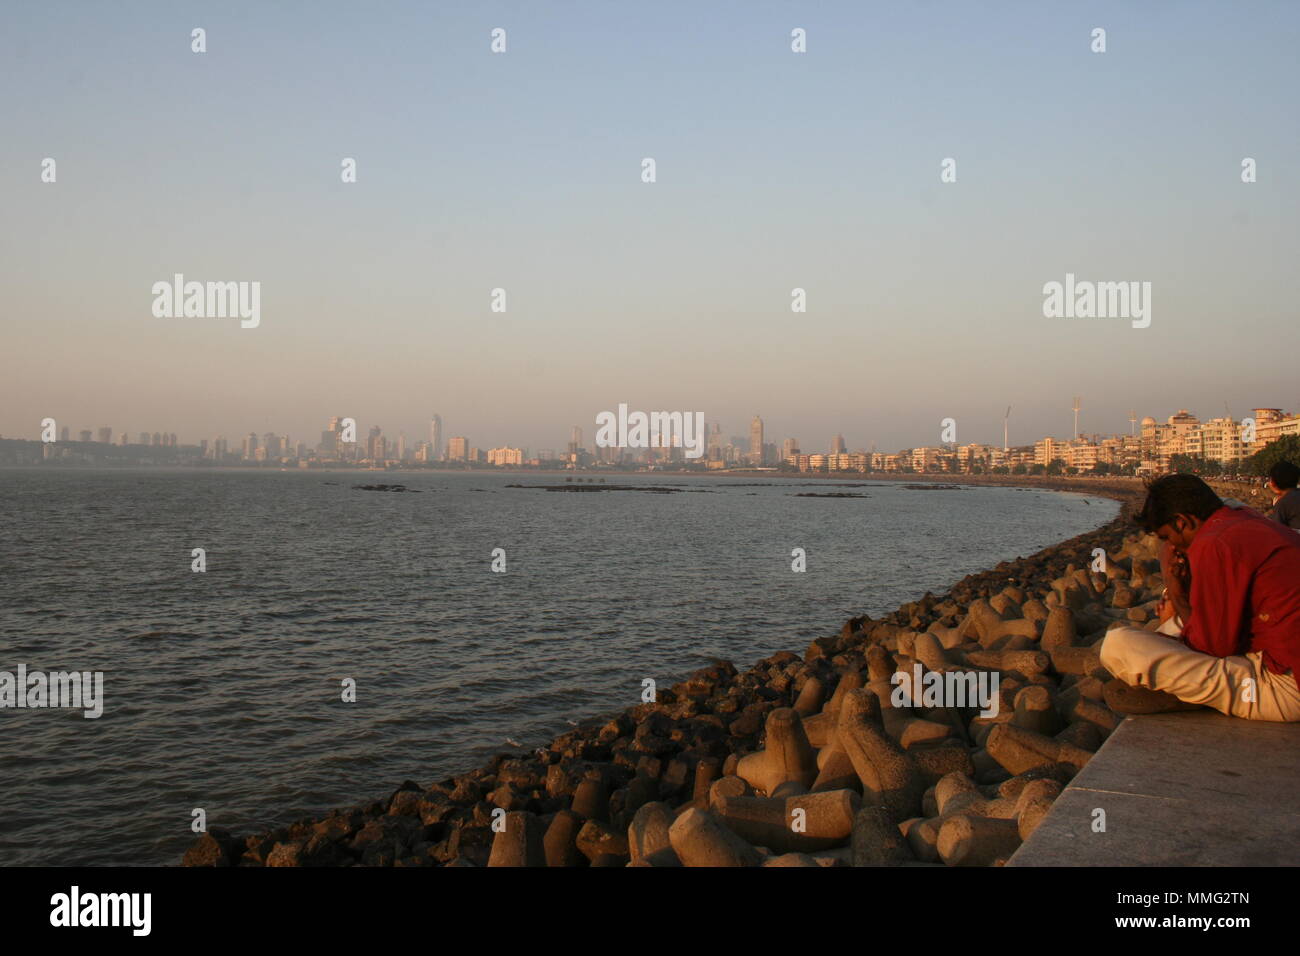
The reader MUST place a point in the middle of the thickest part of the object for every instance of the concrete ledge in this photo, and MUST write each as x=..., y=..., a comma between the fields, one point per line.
x=1184, y=789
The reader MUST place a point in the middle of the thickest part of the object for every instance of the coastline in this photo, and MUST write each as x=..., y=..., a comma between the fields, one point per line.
x=687, y=779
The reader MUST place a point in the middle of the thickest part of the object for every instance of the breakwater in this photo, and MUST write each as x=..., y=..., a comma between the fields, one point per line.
x=800, y=760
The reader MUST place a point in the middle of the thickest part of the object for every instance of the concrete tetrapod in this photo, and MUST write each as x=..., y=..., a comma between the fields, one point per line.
x=1034, y=710
x=902, y=723
x=836, y=771
x=1018, y=750
x=877, y=840
x=787, y=754
x=591, y=799
x=1033, y=803
x=802, y=824
x=969, y=840
x=890, y=778
x=596, y=840
x=561, y=840
x=519, y=843
x=819, y=727
x=699, y=839
x=811, y=697
x=647, y=835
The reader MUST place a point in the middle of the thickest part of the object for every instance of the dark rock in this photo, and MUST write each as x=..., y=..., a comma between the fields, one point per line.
x=214, y=848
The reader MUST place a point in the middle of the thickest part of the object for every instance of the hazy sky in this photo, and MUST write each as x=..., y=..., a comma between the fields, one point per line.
x=522, y=171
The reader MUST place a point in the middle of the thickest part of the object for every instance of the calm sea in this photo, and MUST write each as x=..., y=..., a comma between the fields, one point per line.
x=223, y=688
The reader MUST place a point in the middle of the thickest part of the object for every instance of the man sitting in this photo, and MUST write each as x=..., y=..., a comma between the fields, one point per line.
x=1229, y=636
x=1282, y=480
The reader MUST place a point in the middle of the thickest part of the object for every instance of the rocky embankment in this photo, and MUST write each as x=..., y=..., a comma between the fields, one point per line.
x=799, y=761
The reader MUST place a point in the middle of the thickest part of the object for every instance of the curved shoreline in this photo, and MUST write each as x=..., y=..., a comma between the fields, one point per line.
x=578, y=800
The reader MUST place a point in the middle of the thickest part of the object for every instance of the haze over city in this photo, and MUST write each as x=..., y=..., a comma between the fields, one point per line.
x=522, y=171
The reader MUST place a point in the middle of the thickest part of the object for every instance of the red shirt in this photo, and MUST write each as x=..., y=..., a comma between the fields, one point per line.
x=1246, y=589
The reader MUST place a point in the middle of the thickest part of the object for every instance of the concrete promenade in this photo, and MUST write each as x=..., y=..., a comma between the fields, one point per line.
x=1180, y=789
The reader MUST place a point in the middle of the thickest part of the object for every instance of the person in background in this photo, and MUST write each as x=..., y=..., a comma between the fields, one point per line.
x=1229, y=634
x=1282, y=480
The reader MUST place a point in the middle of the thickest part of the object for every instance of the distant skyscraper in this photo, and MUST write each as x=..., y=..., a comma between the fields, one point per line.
x=837, y=445
x=329, y=439
x=87, y=434
x=106, y=435
x=250, y=447
x=458, y=448
x=756, y=441
x=790, y=447
x=435, y=438
x=375, y=443
x=63, y=433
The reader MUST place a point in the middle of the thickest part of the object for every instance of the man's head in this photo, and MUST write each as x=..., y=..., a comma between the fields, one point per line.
x=1282, y=477
x=1176, y=507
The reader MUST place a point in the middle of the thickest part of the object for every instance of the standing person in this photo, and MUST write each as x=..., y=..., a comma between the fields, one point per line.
x=1282, y=480
x=1229, y=636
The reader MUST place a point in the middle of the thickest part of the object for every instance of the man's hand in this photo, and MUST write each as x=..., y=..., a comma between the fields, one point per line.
x=1177, y=572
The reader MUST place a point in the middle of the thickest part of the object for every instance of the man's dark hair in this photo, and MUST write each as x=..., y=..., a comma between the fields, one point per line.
x=1171, y=495
x=1284, y=474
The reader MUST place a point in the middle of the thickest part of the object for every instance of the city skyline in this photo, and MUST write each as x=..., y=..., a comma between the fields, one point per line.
x=1217, y=438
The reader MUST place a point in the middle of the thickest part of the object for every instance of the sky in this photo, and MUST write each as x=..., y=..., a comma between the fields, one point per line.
x=522, y=170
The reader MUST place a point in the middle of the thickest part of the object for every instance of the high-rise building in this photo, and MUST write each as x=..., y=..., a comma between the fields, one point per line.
x=756, y=441
x=375, y=444
x=106, y=435
x=789, y=447
x=837, y=445
x=329, y=446
x=87, y=434
x=250, y=447
x=144, y=438
x=64, y=432
x=435, y=438
x=458, y=448
x=271, y=442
